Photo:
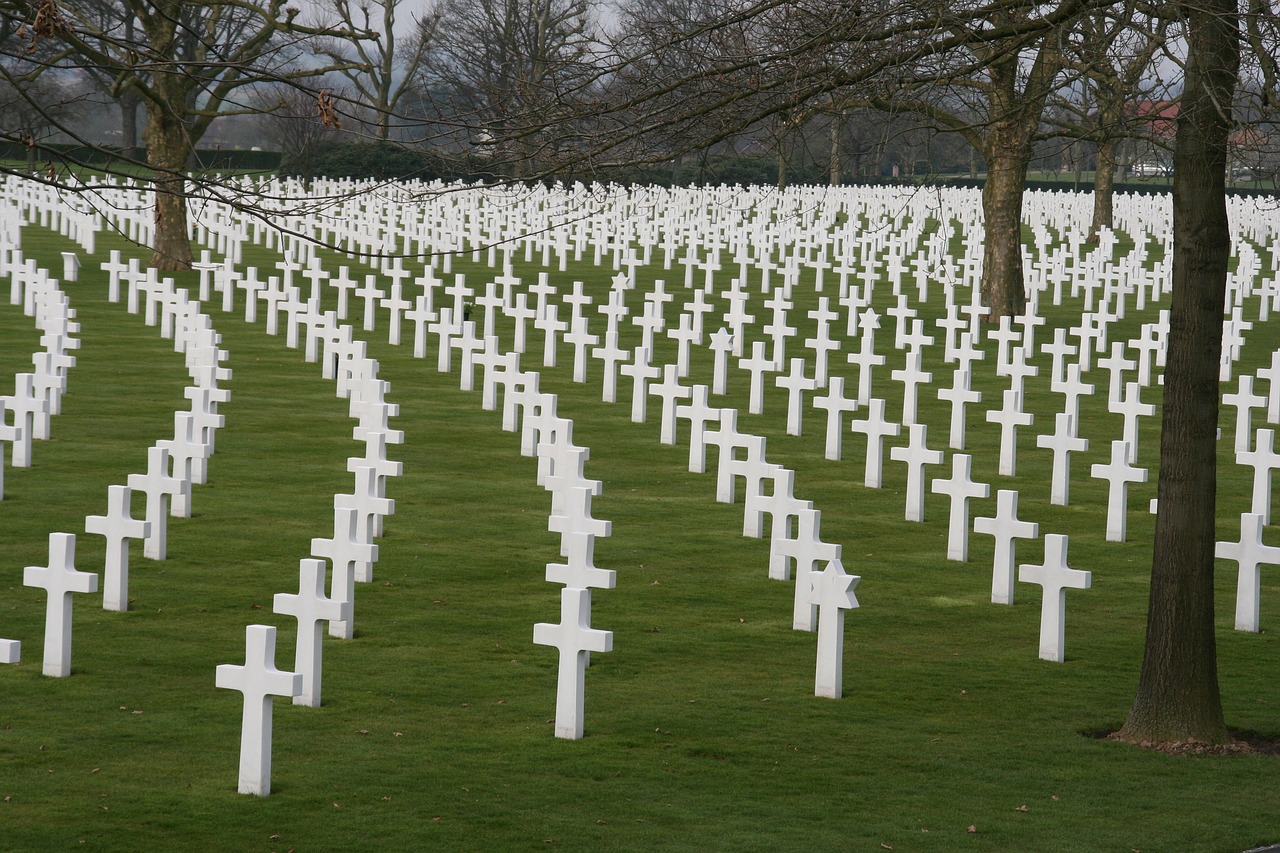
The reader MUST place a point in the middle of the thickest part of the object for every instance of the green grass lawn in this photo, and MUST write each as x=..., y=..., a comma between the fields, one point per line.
x=702, y=731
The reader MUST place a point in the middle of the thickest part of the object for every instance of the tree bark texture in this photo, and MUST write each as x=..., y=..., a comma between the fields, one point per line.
x=167, y=152
x=1177, y=696
x=1104, y=189
x=1007, y=156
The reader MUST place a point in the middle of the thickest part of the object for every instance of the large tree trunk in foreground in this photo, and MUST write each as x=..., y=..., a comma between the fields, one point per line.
x=167, y=151
x=1177, y=697
x=1002, y=288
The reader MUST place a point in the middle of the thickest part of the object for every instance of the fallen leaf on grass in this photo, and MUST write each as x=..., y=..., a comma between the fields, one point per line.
x=972, y=828
x=1022, y=809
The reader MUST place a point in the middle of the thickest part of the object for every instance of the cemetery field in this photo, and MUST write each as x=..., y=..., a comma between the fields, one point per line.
x=702, y=729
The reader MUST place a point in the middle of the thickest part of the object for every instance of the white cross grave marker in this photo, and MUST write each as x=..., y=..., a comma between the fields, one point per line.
x=119, y=527
x=575, y=638
x=1062, y=442
x=916, y=455
x=158, y=487
x=1056, y=578
x=60, y=579
x=310, y=606
x=259, y=680
x=960, y=488
x=1249, y=552
x=1263, y=459
x=1005, y=526
x=1119, y=473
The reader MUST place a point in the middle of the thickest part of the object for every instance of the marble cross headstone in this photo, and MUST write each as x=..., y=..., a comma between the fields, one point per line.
x=836, y=405
x=1010, y=417
x=119, y=527
x=916, y=454
x=1249, y=552
x=575, y=639
x=1263, y=459
x=1119, y=473
x=960, y=488
x=1063, y=441
x=1006, y=527
x=1056, y=578
x=259, y=680
x=875, y=427
x=158, y=487
x=59, y=579
x=310, y=606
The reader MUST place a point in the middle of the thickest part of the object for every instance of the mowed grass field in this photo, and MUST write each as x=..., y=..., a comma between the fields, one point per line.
x=702, y=731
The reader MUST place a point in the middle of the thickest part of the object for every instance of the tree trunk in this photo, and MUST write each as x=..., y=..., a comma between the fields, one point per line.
x=837, y=123
x=129, y=125
x=167, y=151
x=1177, y=696
x=1103, y=189
x=1002, y=289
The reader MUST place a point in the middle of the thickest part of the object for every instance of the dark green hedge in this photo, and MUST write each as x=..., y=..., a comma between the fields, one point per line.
x=384, y=161
x=208, y=158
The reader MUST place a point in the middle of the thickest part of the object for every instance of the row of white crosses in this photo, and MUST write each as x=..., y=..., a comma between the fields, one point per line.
x=26, y=415
x=1010, y=413
x=501, y=369
x=478, y=347
x=560, y=472
x=549, y=437
x=1106, y=289
x=194, y=337
x=546, y=320
x=36, y=399
x=1254, y=447
x=342, y=559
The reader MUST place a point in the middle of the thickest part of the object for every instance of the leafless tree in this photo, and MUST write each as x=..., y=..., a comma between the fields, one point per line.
x=186, y=63
x=504, y=74
x=1111, y=54
x=382, y=69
